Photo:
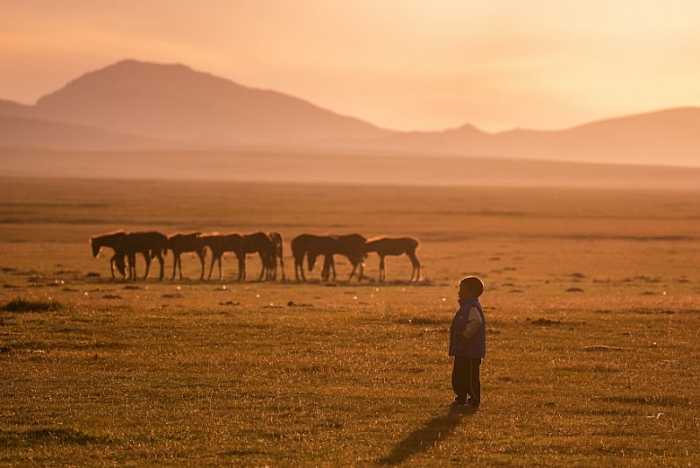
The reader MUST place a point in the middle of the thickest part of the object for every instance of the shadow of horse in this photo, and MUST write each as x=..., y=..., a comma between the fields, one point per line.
x=424, y=438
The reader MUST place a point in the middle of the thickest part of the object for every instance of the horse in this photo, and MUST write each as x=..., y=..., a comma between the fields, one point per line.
x=113, y=240
x=384, y=246
x=150, y=244
x=218, y=244
x=276, y=239
x=312, y=246
x=301, y=245
x=349, y=245
x=262, y=244
x=180, y=243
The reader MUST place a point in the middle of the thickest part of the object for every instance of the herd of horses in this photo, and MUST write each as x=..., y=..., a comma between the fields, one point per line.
x=154, y=245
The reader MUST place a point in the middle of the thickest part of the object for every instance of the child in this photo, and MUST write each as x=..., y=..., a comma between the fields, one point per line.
x=468, y=344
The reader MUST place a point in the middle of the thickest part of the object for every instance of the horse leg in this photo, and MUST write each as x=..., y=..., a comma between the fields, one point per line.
x=241, y=268
x=132, y=266
x=121, y=265
x=211, y=267
x=272, y=267
x=299, y=268
x=147, y=258
x=202, y=257
x=161, y=261
x=112, y=263
x=327, y=265
x=281, y=266
x=382, y=269
x=416, y=266
x=118, y=262
x=354, y=267
x=176, y=257
x=262, y=271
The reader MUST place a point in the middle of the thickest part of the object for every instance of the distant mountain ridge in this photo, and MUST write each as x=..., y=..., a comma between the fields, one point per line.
x=141, y=106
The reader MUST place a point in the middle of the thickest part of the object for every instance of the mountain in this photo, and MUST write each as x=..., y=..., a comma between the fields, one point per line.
x=137, y=105
x=37, y=133
x=173, y=102
x=663, y=137
x=14, y=109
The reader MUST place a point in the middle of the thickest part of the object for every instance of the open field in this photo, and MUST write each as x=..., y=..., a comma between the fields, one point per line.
x=422, y=169
x=592, y=303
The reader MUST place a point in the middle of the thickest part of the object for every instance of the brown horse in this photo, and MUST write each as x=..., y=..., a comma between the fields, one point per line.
x=394, y=246
x=180, y=243
x=350, y=246
x=276, y=239
x=218, y=244
x=312, y=246
x=301, y=245
x=113, y=240
x=259, y=243
x=150, y=244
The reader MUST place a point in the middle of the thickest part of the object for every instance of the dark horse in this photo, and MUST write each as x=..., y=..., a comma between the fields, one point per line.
x=350, y=246
x=312, y=246
x=394, y=246
x=218, y=244
x=259, y=243
x=180, y=243
x=276, y=239
x=150, y=244
x=301, y=245
x=115, y=241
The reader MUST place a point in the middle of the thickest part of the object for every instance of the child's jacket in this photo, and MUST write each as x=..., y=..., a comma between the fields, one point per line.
x=474, y=346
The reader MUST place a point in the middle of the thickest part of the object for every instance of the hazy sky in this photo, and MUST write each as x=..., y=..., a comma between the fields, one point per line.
x=400, y=64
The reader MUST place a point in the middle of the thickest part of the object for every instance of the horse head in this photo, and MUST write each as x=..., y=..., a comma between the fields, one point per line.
x=96, y=246
x=311, y=257
x=120, y=263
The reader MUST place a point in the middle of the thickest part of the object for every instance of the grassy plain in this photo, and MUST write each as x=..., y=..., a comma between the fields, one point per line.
x=592, y=300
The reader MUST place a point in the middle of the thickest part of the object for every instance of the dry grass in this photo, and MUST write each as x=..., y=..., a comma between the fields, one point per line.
x=592, y=303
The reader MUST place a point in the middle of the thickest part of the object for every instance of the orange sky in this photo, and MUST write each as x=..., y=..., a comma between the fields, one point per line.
x=400, y=64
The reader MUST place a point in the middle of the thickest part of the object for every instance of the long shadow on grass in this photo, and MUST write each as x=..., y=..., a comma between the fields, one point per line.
x=423, y=438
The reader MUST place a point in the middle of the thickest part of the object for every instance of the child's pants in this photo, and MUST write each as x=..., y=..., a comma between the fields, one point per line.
x=465, y=379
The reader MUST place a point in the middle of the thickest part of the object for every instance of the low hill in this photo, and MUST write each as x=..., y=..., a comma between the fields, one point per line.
x=137, y=105
x=664, y=137
x=36, y=133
